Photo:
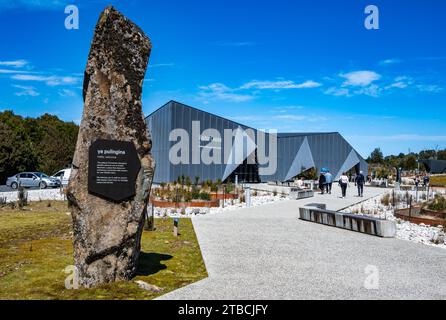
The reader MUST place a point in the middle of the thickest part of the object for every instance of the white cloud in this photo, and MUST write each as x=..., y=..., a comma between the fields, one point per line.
x=292, y=117
x=282, y=84
x=26, y=91
x=360, y=78
x=219, y=91
x=401, y=137
x=432, y=88
x=338, y=91
x=9, y=71
x=158, y=65
x=67, y=93
x=389, y=62
x=33, y=4
x=49, y=80
x=235, y=44
x=284, y=109
x=372, y=91
x=14, y=63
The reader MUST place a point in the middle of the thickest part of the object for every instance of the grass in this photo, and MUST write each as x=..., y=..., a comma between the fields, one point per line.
x=36, y=247
x=438, y=181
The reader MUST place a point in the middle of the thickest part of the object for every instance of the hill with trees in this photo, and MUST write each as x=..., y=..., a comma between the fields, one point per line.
x=42, y=144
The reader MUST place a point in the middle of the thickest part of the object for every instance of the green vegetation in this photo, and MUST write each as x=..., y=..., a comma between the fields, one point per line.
x=36, y=247
x=404, y=161
x=43, y=144
x=438, y=204
x=178, y=192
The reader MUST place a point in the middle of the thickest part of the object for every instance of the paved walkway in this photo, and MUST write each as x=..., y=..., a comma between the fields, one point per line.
x=268, y=253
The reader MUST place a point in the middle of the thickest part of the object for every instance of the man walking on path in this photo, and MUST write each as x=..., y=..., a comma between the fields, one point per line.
x=359, y=182
x=426, y=180
x=328, y=182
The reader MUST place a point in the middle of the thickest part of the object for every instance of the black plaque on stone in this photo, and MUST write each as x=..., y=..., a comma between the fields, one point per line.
x=113, y=167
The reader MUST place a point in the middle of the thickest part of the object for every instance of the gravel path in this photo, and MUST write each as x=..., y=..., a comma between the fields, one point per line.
x=268, y=253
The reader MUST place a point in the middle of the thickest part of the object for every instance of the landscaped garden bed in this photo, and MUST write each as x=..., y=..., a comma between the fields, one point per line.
x=183, y=193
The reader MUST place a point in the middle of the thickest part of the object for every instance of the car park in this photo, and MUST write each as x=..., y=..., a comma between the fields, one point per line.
x=32, y=179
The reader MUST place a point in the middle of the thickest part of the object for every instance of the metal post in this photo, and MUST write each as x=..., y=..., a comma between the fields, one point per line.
x=224, y=192
x=393, y=198
x=410, y=207
x=175, y=226
x=248, y=197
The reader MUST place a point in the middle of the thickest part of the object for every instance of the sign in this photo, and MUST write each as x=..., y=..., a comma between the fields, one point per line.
x=113, y=167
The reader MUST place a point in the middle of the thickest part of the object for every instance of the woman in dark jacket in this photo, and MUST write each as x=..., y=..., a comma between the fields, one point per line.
x=322, y=183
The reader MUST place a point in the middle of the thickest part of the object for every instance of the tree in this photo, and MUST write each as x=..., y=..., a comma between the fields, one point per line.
x=410, y=162
x=376, y=156
x=44, y=144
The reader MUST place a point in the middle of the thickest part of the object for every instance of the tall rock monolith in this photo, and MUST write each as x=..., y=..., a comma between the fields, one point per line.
x=112, y=166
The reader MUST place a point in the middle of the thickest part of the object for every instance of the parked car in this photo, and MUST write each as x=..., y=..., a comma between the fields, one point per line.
x=63, y=176
x=32, y=179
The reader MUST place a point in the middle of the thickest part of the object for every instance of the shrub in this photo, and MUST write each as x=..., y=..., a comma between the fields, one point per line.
x=205, y=196
x=229, y=188
x=214, y=187
x=385, y=200
x=438, y=204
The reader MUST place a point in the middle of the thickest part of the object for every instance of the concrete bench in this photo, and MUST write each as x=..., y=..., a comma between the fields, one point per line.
x=364, y=224
x=296, y=193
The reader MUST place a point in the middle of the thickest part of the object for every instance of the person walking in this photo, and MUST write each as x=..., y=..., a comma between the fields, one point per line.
x=343, y=183
x=328, y=182
x=359, y=182
x=426, y=181
x=417, y=181
x=322, y=182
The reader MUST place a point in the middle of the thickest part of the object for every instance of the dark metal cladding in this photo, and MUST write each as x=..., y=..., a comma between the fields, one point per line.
x=296, y=152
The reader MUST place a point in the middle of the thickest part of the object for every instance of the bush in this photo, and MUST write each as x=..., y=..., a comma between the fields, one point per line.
x=385, y=200
x=205, y=196
x=229, y=188
x=438, y=204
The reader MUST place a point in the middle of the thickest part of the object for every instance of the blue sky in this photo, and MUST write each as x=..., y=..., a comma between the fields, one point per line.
x=287, y=65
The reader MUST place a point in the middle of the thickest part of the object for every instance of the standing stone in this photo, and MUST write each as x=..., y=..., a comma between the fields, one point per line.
x=107, y=234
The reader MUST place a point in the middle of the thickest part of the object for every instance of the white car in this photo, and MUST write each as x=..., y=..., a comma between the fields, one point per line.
x=63, y=175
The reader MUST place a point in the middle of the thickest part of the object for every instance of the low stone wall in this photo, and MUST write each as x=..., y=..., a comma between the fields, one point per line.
x=373, y=226
x=296, y=193
x=192, y=204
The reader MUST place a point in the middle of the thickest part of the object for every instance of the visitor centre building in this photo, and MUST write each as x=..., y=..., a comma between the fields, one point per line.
x=193, y=143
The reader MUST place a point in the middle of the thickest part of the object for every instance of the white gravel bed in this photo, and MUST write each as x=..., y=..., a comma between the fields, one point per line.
x=35, y=195
x=230, y=205
x=419, y=233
